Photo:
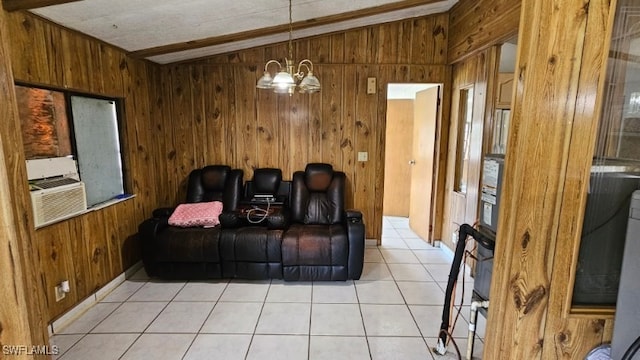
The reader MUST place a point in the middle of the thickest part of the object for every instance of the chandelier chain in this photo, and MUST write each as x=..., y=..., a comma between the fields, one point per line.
x=290, y=33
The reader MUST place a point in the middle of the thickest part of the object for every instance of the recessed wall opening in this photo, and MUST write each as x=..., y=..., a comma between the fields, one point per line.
x=412, y=117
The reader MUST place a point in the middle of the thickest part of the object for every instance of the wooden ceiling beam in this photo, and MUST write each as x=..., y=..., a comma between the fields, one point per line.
x=15, y=5
x=278, y=29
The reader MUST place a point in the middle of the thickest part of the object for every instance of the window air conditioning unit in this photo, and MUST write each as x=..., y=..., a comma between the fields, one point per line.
x=58, y=203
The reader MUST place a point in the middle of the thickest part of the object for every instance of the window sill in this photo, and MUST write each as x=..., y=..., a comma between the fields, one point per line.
x=95, y=207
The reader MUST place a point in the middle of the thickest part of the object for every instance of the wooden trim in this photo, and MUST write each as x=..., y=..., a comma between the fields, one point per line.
x=278, y=29
x=15, y=5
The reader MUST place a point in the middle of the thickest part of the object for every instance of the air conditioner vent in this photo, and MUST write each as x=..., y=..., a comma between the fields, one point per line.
x=50, y=205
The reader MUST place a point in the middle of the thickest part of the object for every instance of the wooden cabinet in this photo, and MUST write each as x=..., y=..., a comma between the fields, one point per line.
x=504, y=90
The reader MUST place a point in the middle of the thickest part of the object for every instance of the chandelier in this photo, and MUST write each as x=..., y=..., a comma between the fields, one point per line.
x=286, y=79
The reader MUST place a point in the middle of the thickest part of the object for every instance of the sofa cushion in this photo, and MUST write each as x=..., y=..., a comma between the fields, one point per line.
x=196, y=214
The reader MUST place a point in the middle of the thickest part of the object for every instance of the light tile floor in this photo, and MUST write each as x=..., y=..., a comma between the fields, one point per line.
x=393, y=312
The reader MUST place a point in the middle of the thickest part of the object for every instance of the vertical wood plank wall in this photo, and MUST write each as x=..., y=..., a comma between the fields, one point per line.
x=211, y=112
x=559, y=76
x=92, y=249
x=477, y=25
x=21, y=315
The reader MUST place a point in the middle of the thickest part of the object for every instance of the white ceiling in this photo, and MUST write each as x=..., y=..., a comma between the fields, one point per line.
x=141, y=25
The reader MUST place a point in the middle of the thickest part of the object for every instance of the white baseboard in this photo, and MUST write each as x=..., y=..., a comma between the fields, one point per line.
x=370, y=242
x=92, y=299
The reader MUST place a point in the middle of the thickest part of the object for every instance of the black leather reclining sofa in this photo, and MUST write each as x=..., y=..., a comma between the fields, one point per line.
x=307, y=234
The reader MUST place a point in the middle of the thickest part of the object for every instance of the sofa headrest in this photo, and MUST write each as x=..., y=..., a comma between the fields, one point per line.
x=266, y=180
x=213, y=177
x=318, y=176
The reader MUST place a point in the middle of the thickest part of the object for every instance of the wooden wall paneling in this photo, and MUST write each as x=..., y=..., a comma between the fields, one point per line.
x=31, y=39
x=575, y=336
x=268, y=130
x=56, y=255
x=199, y=125
x=183, y=134
x=427, y=74
x=146, y=154
x=127, y=127
x=112, y=242
x=320, y=47
x=299, y=135
x=162, y=130
x=21, y=315
x=77, y=67
x=388, y=43
x=113, y=62
x=372, y=46
x=337, y=48
x=332, y=102
x=92, y=233
x=55, y=63
x=366, y=126
x=562, y=73
x=220, y=144
x=92, y=253
x=315, y=127
x=422, y=52
x=273, y=52
x=348, y=128
x=94, y=52
x=254, y=55
x=356, y=44
x=404, y=39
x=477, y=24
x=130, y=248
x=17, y=223
x=245, y=118
x=284, y=114
x=82, y=279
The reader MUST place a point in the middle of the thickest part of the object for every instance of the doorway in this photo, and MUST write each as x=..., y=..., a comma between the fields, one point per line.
x=412, y=118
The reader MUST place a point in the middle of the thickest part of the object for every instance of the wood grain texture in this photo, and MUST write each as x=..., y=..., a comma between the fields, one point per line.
x=476, y=25
x=22, y=316
x=249, y=128
x=397, y=172
x=88, y=250
x=462, y=208
x=553, y=132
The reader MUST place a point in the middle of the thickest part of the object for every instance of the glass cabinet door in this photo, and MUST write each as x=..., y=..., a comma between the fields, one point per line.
x=615, y=172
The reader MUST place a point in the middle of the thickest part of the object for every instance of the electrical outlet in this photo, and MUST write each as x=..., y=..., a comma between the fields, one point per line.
x=371, y=85
x=454, y=238
x=363, y=156
x=60, y=293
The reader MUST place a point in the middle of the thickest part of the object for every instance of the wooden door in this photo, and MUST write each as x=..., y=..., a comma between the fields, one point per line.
x=398, y=153
x=424, y=130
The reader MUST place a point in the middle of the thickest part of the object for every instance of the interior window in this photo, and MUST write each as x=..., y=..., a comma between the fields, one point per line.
x=465, y=116
x=67, y=135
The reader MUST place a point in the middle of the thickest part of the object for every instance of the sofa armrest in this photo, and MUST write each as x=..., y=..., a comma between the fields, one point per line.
x=230, y=220
x=355, y=232
x=163, y=212
x=147, y=232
